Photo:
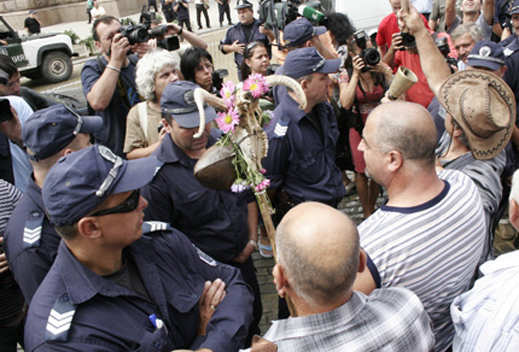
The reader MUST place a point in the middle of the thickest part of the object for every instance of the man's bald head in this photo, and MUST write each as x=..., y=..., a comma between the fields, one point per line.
x=318, y=248
x=405, y=127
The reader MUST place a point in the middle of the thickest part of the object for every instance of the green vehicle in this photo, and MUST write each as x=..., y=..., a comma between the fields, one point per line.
x=40, y=55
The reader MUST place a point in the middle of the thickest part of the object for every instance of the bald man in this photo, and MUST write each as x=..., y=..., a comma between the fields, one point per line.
x=429, y=235
x=318, y=257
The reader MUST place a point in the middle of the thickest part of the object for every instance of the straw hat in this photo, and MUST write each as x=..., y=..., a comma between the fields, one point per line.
x=484, y=107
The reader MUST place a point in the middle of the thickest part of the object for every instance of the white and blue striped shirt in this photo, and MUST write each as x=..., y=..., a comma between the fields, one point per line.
x=431, y=249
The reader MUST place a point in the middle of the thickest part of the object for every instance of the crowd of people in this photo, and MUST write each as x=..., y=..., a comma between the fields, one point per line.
x=111, y=243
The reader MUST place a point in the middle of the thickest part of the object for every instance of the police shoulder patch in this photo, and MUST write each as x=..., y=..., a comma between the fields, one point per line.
x=508, y=52
x=281, y=128
x=206, y=258
x=32, y=229
x=153, y=226
x=60, y=319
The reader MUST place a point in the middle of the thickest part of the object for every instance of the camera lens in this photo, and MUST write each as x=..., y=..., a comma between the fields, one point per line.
x=138, y=35
x=371, y=56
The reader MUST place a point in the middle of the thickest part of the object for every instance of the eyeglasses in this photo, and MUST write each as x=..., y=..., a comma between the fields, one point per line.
x=130, y=204
x=107, y=154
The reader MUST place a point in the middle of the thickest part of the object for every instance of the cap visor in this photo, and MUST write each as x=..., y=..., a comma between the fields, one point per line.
x=138, y=173
x=192, y=119
x=494, y=66
x=330, y=66
x=320, y=30
x=91, y=124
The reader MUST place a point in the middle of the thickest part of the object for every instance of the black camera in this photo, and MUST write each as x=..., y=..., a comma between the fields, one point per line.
x=408, y=40
x=371, y=56
x=218, y=76
x=5, y=111
x=443, y=46
x=135, y=33
x=169, y=43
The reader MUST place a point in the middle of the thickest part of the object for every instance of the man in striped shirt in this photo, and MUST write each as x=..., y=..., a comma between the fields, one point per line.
x=429, y=236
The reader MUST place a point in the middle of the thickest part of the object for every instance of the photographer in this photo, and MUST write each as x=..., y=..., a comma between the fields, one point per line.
x=109, y=81
x=403, y=53
x=197, y=67
x=362, y=83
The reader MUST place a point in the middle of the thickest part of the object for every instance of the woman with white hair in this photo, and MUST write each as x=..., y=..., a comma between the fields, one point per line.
x=144, y=131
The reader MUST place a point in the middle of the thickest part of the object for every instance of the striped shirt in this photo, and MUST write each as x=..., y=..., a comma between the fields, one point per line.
x=487, y=317
x=386, y=320
x=431, y=249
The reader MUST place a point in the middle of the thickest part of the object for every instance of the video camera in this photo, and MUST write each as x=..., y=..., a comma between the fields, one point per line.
x=285, y=12
x=371, y=56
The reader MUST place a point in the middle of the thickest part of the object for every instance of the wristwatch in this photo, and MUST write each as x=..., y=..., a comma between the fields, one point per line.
x=253, y=244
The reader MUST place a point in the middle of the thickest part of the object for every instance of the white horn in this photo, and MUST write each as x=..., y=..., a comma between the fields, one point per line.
x=201, y=95
x=279, y=80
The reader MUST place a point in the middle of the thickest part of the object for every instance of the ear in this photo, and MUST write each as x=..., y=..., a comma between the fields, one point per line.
x=280, y=280
x=67, y=151
x=166, y=125
x=98, y=46
x=88, y=227
x=395, y=160
x=247, y=62
x=513, y=213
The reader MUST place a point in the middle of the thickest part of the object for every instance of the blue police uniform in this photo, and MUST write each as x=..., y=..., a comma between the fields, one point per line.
x=215, y=221
x=236, y=33
x=301, y=160
x=75, y=309
x=31, y=242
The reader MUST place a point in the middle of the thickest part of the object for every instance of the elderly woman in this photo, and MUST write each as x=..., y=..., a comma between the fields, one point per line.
x=144, y=131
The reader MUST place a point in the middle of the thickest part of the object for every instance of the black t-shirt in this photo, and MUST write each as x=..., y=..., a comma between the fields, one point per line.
x=32, y=24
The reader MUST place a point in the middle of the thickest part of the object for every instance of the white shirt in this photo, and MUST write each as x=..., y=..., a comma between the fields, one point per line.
x=486, y=318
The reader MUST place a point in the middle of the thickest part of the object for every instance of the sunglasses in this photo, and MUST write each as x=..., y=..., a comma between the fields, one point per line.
x=130, y=204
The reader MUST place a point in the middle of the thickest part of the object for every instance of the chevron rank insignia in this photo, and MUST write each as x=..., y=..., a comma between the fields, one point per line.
x=32, y=229
x=281, y=128
x=60, y=319
x=206, y=258
x=152, y=226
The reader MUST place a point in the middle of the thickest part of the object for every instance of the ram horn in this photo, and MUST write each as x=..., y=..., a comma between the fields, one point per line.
x=279, y=80
x=202, y=96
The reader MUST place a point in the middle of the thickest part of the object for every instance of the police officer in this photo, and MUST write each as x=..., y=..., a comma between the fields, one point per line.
x=31, y=242
x=243, y=33
x=113, y=288
x=301, y=159
x=221, y=223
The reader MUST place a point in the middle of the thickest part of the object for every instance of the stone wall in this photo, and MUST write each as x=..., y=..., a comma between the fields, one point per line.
x=63, y=11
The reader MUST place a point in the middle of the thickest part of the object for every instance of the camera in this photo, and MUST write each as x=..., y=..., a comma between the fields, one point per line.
x=141, y=33
x=443, y=46
x=218, y=76
x=5, y=111
x=169, y=43
x=135, y=33
x=371, y=56
x=408, y=40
